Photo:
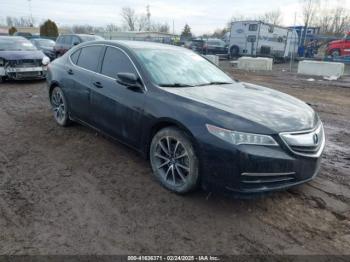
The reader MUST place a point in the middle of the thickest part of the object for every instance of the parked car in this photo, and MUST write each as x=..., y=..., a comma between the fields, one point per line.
x=339, y=47
x=66, y=42
x=46, y=46
x=196, y=45
x=215, y=47
x=192, y=121
x=20, y=59
x=23, y=34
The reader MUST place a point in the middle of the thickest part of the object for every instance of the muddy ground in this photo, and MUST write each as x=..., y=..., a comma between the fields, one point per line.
x=72, y=191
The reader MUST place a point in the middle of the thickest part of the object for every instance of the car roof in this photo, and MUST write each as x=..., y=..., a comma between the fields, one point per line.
x=134, y=45
x=76, y=35
x=12, y=38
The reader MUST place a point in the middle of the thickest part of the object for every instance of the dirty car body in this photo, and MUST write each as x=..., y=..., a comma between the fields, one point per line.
x=19, y=59
x=248, y=138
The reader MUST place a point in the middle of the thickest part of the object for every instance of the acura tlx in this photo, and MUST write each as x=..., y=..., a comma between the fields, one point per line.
x=195, y=124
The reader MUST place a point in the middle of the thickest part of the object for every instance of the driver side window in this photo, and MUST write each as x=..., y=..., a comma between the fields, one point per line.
x=114, y=62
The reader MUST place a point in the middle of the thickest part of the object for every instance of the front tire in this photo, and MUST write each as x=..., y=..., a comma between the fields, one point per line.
x=173, y=160
x=335, y=53
x=59, y=107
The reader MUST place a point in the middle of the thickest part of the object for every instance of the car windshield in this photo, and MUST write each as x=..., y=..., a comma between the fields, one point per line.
x=16, y=44
x=180, y=68
x=45, y=43
x=86, y=38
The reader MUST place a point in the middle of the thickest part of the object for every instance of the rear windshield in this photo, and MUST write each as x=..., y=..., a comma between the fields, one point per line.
x=86, y=38
x=44, y=43
x=16, y=44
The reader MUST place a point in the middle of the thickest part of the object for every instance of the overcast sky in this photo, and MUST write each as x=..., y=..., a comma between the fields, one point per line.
x=202, y=15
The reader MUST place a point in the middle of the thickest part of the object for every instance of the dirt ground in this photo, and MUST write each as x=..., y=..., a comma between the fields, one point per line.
x=72, y=191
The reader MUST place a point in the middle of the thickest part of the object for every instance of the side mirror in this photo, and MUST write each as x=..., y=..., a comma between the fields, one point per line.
x=129, y=80
x=76, y=43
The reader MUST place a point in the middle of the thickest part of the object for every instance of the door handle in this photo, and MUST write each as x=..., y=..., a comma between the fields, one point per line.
x=70, y=72
x=98, y=84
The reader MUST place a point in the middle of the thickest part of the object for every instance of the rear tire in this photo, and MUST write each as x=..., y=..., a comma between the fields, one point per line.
x=59, y=107
x=234, y=51
x=335, y=53
x=173, y=160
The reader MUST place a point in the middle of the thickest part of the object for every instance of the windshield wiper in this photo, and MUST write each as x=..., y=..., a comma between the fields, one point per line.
x=215, y=83
x=175, y=85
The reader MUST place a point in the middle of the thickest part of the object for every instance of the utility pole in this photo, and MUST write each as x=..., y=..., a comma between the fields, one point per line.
x=173, y=27
x=30, y=12
x=293, y=44
x=148, y=18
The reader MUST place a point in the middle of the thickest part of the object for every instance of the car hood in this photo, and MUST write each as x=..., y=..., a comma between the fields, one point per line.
x=277, y=111
x=18, y=55
x=336, y=42
x=47, y=49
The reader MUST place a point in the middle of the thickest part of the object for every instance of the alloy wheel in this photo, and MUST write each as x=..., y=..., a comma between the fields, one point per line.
x=58, y=106
x=172, y=161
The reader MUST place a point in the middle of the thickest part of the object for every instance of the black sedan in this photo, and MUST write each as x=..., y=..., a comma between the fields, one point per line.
x=46, y=46
x=194, y=123
x=215, y=47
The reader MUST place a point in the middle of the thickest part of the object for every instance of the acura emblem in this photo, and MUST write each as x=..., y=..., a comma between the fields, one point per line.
x=315, y=138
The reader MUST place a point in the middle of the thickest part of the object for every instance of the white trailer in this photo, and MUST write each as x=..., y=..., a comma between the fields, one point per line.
x=256, y=38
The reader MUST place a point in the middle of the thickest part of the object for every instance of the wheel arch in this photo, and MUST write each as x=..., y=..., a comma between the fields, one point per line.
x=164, y=123
x=52, y=85
x=234, y=46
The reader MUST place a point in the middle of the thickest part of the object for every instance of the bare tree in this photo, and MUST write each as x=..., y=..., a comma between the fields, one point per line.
x=159, y=27
x=130, y=18
x=333, y=21
x=9, y=21
x=112, y=28
x=309, y=9
x=82, y=29
x=273, y=17
x=20, y=21
x=142, y=23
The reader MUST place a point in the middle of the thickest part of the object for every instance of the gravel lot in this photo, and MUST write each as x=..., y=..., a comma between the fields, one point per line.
x=72, y=191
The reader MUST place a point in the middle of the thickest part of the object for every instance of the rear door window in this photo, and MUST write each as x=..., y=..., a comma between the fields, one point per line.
x=75, y=56
x=59, y=40
x=67, y=40
x=114, y=62
x=89, y=57
x=75, y=40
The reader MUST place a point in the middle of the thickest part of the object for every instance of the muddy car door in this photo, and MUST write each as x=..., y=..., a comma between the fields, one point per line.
x=117, y=109
x=79, y=72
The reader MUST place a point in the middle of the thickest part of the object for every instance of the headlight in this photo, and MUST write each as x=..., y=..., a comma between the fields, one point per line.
x=239, y=138
x=45, y=60
x=2, y=62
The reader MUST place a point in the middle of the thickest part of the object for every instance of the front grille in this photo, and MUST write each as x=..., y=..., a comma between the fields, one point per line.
x=261, y=180
x=25, y=75
x=25, y=63
x=305, y=143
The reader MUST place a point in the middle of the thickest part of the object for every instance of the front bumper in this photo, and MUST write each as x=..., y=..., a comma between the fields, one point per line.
x=252, y=168
x=21, y=73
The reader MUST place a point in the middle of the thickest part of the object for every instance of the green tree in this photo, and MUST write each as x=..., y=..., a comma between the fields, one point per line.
x=49, y=29
x=12, y=30
x=186, y=32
